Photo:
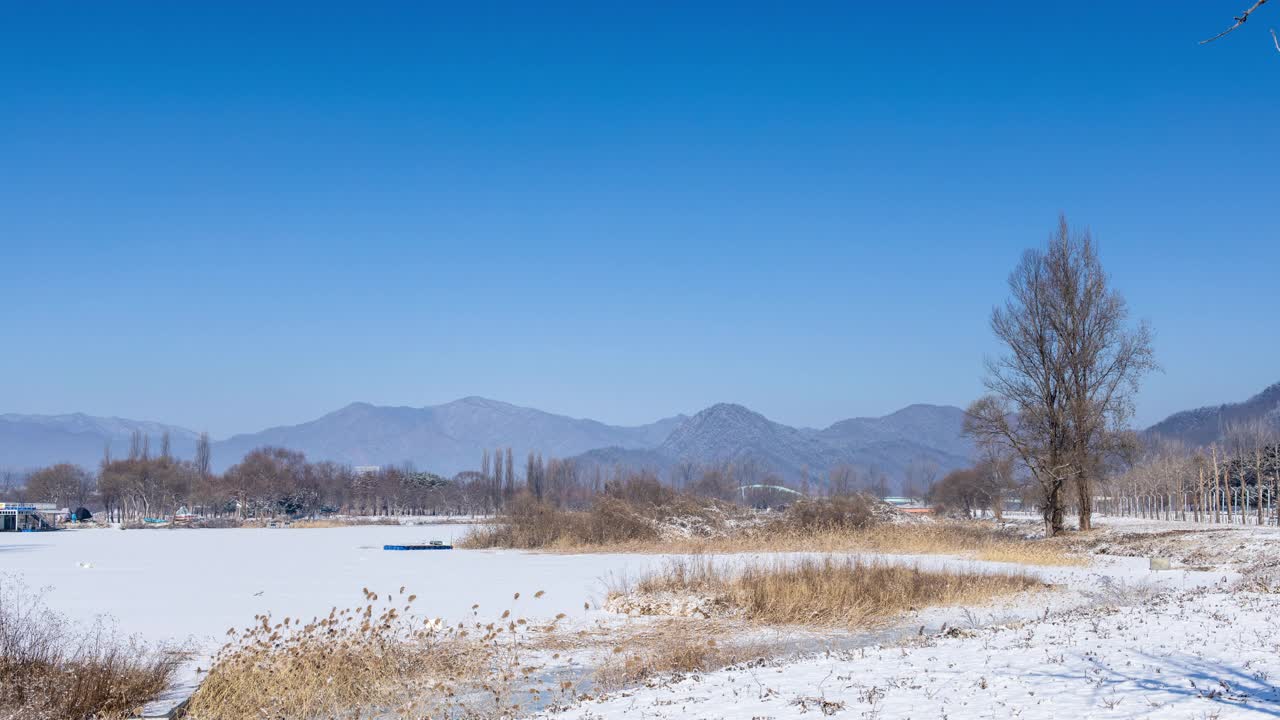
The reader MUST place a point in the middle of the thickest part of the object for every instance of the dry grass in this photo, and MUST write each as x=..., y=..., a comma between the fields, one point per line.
x=612, y=521
x=373, y=660
x=824, y=592
x=669, y=650
x=52, y=669
x=340, y=522
x=615, y=525
x=976, y=539
x=529, y=524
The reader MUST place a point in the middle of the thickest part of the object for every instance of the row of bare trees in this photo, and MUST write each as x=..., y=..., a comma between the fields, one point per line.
x=1234, y=481
x=267, y=482
x=573, y=484
x=272, y=482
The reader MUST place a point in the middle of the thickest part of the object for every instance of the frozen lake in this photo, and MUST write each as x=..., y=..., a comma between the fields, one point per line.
x=196, y=584
x=191, y=586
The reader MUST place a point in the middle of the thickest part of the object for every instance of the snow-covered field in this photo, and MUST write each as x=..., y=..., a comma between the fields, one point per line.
x=1206, y=655
x=1116, y=641
x=1051, y=654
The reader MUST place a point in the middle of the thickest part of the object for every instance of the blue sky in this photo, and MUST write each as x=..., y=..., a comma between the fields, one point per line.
x=239, y=215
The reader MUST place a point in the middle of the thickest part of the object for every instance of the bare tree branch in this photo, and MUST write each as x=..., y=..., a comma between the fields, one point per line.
x=1244, y=17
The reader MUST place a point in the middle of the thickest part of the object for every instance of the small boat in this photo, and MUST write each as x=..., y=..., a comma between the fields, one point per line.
x=432, y=545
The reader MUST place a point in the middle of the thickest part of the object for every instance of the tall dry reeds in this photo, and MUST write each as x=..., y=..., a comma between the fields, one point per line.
x=51, y=668
x=825, y=592
x=374, y=660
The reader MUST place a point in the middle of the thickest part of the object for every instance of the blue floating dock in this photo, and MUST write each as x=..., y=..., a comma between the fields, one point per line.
x=440, y=546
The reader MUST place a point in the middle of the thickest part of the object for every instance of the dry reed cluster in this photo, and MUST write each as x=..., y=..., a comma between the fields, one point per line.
x=374, y=660
x=51, y=669
x=825, y=592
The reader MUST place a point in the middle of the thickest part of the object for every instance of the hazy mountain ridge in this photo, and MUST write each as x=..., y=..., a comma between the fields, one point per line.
x=933, y=426
x=451, y=437
x=728, y=432
x=445, y=438
x=732, y=433
x=28, y=441
x=1205, y=425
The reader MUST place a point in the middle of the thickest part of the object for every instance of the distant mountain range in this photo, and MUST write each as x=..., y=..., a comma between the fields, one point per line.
x=1206, y=425
x=924, y=434
x=28, y=441
x=444, y=438
x=451, y=437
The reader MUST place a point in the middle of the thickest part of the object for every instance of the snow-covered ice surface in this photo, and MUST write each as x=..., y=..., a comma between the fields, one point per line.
x=196, y=584
x=191, y=586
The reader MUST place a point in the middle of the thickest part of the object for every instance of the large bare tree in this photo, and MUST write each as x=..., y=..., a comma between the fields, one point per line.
x=1064, y=388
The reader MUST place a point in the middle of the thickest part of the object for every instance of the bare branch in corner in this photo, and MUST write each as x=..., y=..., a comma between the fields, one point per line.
x=1244, y=17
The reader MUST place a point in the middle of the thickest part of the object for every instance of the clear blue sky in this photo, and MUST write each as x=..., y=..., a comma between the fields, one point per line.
x=245, y=214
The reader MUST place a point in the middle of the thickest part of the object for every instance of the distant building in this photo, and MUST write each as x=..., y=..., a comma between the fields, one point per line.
x=28, y=517
x=902, y=501
x=367, y=469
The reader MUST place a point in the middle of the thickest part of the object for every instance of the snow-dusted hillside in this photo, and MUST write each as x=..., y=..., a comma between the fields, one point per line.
x=1205, y=425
